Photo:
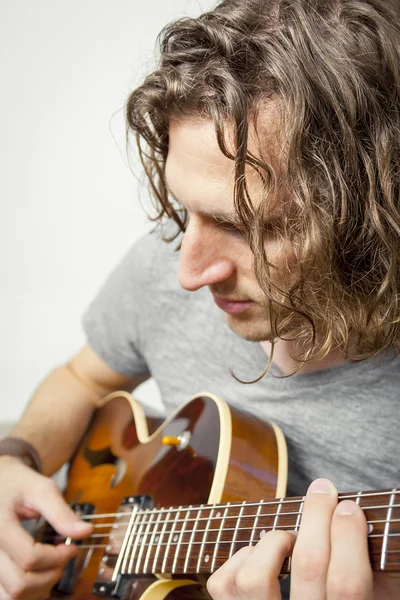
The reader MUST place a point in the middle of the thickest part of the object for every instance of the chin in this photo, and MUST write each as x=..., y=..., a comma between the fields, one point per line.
x=250, y=331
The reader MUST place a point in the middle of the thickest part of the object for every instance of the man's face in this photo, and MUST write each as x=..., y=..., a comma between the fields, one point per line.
x=213, y=252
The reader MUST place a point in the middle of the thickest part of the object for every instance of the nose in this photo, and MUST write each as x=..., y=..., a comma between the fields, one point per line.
x=204, y=256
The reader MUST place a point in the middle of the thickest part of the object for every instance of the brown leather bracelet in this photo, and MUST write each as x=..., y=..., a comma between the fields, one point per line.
x=14, y=446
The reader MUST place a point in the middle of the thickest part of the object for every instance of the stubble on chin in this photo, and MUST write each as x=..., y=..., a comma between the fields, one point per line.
x=255, y=326
x=251, y=329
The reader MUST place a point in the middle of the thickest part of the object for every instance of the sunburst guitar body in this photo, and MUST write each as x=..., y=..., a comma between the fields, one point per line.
x=205, y=452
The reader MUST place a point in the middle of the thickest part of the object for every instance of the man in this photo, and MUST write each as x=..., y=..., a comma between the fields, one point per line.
x=270, y=136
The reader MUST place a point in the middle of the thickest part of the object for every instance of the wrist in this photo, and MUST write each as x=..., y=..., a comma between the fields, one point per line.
x=21, y=449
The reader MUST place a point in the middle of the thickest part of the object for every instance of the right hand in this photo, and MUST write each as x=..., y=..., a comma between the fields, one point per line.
x=29, y=569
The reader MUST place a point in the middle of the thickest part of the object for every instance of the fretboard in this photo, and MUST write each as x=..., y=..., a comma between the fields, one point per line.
x=199, y=539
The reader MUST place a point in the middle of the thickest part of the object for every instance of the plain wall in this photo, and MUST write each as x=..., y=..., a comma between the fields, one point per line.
x=68, y=200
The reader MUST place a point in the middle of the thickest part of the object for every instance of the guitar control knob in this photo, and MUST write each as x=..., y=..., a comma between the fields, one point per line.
x=170, y=440
x=180, y=441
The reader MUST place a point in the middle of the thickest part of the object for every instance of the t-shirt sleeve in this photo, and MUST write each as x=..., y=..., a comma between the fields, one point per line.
x=112, y=323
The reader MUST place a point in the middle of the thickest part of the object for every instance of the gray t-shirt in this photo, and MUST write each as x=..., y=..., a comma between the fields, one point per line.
x=341, y=423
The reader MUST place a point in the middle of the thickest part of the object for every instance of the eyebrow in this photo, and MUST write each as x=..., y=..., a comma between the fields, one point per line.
x=221, y=217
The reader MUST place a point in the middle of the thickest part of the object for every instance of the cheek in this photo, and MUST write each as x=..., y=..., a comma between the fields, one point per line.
x=282, y=256
x=242, y=255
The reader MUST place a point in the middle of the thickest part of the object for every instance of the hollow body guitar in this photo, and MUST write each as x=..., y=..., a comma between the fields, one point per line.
x=222, y=455
x=172, y=501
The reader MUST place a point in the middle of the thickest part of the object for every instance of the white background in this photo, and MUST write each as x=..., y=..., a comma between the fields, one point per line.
x=69, y=202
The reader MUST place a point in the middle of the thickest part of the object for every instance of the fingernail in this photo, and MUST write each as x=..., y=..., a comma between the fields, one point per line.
x=321, y=486
x=346, y=508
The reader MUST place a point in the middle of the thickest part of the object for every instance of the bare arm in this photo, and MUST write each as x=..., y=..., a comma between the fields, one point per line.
x=63, y=404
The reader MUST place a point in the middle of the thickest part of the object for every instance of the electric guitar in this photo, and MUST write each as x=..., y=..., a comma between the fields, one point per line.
x=172, y=501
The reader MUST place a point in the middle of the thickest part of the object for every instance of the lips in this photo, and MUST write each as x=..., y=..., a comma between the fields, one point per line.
x=232, y=307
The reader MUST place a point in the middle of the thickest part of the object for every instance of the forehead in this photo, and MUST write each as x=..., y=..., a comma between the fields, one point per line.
x=197, y=172
x=200, y=175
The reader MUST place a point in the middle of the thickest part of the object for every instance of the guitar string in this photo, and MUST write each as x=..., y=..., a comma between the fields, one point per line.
x=242, y=517
x=199, y=531
x=239, y=504
x=377, y=535
x=112, y=526
x=260, y=527
x=54, y=536
x=173, y=544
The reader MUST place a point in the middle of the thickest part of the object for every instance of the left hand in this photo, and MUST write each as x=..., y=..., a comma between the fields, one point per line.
x=329, y=558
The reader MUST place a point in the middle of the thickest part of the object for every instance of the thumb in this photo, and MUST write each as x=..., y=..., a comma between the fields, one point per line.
x=48, y=501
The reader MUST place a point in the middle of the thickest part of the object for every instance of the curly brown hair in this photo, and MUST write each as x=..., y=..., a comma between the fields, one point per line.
x=333, y=67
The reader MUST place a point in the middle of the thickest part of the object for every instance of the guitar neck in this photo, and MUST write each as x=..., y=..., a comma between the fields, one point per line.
x=199, y=539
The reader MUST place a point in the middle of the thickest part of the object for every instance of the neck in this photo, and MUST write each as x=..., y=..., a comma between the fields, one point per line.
x=199, y=539
x=284, y=361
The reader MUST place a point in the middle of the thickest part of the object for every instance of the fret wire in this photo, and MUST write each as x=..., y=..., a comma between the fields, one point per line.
x=204, y=541
x=124, y=547
x=125, y=565
x=275, y=524
x=300, y=513
x=255, y=523
x=152, y=538
x=143, y=544
x=297, y=527
x=129, y=545
x=171, y=533
x=136, y=542
x=160, y=542
x=256, y=503
x=235, y=529
x=178, y=545
x=193, y=533
x=387, y=529
x=219, y=536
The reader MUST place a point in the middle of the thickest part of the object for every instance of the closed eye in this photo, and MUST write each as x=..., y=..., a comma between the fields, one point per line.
x=230, y=227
